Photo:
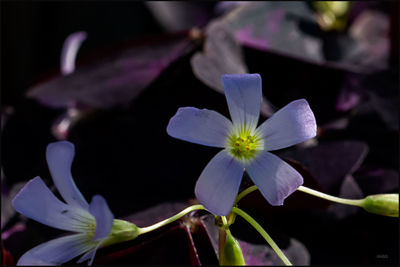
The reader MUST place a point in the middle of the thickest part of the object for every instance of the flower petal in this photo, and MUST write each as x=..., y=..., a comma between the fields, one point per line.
x=243, y=93
x=70, y=50
x=292, y=124
x=36, y=201
x=275, y=179
x=219, y=183
x=104, y=217
x=200, y=126
x=57, y=251
x=90, y=255
x=59, y=157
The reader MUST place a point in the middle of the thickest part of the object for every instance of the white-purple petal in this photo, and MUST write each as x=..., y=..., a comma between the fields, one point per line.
x=292, y=124
x=243, y=93
x=36, y=201
x=59, y=157
x=90, y=254
x=218, y=185
x=57, y=251
x=275, y=179
x=200, y=126
x=69, y=51
x=103, y=215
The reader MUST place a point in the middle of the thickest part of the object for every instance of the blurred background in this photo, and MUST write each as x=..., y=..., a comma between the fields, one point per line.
x=141, y=61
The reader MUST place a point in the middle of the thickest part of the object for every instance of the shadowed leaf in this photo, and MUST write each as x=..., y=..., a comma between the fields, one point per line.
x=329, y=163
x=115, y=79
x=222, y=54
x=290, y=29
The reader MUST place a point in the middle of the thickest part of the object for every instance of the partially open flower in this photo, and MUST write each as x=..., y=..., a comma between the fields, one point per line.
x=93, y=223
x=245, y=146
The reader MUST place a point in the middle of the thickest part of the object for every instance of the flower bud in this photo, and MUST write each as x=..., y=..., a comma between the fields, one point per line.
x=382, y=204
x=121, y=231
x=233, y=254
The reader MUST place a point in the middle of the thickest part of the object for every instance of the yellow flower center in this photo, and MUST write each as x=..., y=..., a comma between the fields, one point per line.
x=244, y=145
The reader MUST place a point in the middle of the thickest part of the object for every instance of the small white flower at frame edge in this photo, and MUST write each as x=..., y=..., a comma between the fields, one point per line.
x=91, y=223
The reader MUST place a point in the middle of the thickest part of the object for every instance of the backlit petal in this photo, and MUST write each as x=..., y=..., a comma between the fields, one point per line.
x=36, y=201
x=292, y=124
x=243, y=93
x=104, y=217
x=90, y=254
x=57, y=251
x=59, y=157
x=219, y=183
x=200, y=126
x=275, y=179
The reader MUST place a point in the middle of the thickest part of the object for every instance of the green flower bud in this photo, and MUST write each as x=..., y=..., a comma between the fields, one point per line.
x=232, y=254
x=121, y=231
x=382, y=204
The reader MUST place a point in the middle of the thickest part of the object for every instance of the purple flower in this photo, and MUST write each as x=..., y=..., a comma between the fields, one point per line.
x=245, y=146
x=91, y=222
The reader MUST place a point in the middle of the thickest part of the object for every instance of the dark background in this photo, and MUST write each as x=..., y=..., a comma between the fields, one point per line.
x=125, y=153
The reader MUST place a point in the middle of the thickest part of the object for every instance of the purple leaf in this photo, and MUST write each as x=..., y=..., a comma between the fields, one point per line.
x=349, y=189
x=290, y=29
x=350, y=94
x=371, y=31
x=115, y=79
x=172, y=246
x=273, y=26
x=296, y=201
x=180, y=15
x=375, y=180
x=263, y=255
x=156, y=213
x=185, y=241
x=382, y=89
x=329, y=163
x=222, y=55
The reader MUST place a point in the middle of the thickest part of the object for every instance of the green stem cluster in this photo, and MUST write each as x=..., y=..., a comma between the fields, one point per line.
x=171, y=219
x=229, y=249
x=263, y=233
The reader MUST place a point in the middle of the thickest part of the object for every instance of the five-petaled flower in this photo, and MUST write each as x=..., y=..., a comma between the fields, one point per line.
x=245, y=146
x=91, y=222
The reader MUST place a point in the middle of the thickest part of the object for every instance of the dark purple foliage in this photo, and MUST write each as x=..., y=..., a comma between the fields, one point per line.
x=329, y=163
x=127, y=156
x=116, y=79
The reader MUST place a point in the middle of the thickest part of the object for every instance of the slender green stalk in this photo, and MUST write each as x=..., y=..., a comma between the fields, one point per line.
x=264, y=234
x=171, y=219
x=245, y=193
x=224, y=222
x=221, y=240
x=354, y=202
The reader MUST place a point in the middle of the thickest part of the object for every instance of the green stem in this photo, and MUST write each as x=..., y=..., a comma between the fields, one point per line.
x=264, y=234
x=354, y=202
x=171, y=219
x=222, y=239
x=245, y=193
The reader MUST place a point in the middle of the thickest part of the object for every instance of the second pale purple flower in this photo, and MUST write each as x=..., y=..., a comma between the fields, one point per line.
x=245, y=145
